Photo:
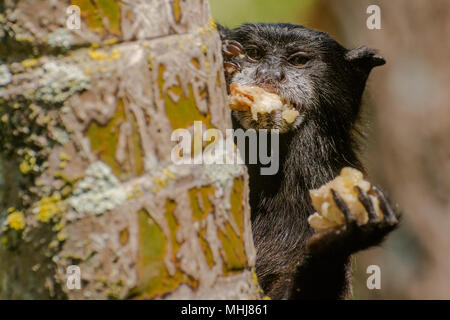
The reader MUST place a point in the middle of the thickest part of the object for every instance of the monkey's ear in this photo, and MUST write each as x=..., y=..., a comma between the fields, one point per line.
x=364, y=58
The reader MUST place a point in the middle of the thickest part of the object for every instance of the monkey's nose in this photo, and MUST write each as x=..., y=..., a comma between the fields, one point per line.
x=278, y=75
x=270, y=75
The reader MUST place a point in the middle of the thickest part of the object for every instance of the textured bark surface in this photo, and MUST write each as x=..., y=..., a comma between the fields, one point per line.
x=86, y=118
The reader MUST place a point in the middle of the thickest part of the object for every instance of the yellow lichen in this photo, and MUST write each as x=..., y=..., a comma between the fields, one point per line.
x=97, y=54
x=159, y=183
x=176, y=10
x=254, y=278
x=124, y=236
x=61, y=236
x=16, y=219
x=27, y=164
x=160, y=180
x=256, y=282
x=111, y=41
x=59, y=226
x=64, y=156
x=136, y=192
x=169, y=173
x=212, y=24
x=47, y=208
x=114, y=55
x=28, y=63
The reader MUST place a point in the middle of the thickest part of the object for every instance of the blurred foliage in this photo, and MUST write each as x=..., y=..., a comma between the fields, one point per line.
x=231, y=13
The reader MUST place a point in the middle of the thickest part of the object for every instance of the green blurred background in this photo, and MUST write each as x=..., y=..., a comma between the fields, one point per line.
x=407, y=121
x=234, y=12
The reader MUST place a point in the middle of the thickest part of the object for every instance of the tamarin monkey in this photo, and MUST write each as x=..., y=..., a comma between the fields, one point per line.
x=324, y=82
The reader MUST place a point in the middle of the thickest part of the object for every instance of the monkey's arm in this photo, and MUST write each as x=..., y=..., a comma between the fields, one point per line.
x=324, y=272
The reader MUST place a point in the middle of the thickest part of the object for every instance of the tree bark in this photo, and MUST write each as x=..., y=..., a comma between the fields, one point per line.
x=86, y=176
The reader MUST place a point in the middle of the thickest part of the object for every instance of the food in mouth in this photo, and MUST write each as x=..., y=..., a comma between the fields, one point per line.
x=257, y=100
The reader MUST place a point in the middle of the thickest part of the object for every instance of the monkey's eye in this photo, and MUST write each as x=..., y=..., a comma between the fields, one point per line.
x=254, y=53
x=298, y=59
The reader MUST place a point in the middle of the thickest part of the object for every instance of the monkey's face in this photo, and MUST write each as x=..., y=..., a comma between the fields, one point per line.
x=306, y=68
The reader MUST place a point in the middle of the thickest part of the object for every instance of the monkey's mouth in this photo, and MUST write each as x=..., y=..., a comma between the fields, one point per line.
x=262, y=107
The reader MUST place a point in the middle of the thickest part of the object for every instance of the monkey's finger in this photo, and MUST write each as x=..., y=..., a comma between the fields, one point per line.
x=340, y=203
x=236, y=44
x=389, y=214
x=231, y=49
x=231, y=67
x=228, y=53
x=368, y=205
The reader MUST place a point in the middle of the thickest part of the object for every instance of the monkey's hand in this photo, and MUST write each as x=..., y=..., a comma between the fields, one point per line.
x=352, y=236
x=325, y=271
x=231, y=51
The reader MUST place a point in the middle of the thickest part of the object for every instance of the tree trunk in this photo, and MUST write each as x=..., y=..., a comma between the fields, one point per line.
x=86, y=176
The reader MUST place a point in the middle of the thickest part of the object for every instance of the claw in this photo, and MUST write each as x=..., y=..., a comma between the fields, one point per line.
x=368, y=205
x=231, y=67
x=340, y=203
x=389, y=214
x=238, y=44
x=231, y=49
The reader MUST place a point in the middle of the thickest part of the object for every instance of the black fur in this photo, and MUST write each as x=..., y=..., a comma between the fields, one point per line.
x=327, y=92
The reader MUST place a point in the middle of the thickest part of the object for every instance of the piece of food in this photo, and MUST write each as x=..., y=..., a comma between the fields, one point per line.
x=289, y=115
x=257, y=100
x=328, y=214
